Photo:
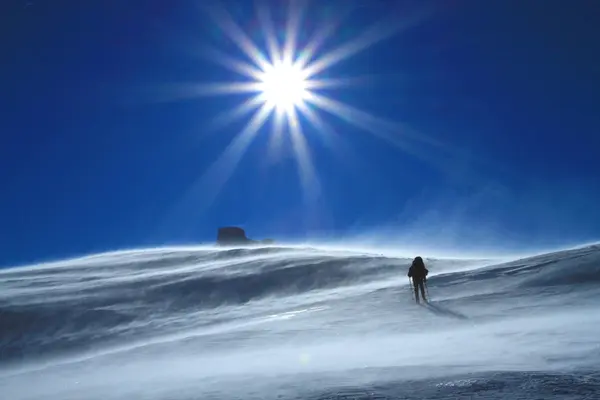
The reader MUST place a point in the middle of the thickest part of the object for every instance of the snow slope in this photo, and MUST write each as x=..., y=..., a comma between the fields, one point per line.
x=299, y=323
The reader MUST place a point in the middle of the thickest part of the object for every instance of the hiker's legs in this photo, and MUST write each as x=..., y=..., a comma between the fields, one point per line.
x=416, y=288
x=422, y=283
x=417, y=284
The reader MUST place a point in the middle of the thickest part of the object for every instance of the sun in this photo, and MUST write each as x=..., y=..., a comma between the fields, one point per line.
x=283, y=86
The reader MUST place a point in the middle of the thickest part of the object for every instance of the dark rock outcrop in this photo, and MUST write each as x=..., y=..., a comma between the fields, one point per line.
x=235, y=236
x=231, y=235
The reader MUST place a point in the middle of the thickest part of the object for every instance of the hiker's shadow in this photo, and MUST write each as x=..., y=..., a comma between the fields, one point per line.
x=442, y=311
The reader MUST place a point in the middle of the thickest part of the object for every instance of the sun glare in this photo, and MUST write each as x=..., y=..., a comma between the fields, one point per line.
x=283, y=86
x=285, y=82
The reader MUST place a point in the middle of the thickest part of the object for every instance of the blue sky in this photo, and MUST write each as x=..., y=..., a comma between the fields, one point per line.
x=482, y=129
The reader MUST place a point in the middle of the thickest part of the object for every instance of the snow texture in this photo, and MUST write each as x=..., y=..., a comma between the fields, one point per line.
x=299, y=323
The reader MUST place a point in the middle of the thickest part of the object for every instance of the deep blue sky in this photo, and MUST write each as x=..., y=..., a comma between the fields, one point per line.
x=89, y=162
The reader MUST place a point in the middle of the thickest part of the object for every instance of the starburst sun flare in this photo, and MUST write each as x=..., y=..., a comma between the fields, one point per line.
x=283, y=82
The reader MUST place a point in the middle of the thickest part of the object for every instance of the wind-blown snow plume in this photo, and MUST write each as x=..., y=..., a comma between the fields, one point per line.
x=293, y=322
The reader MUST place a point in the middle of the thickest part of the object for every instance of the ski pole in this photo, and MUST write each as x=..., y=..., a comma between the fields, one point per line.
x=411, y=288
x=427, y=291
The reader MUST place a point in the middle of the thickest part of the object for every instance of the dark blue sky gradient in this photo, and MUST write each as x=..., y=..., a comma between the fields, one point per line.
x=89, y=162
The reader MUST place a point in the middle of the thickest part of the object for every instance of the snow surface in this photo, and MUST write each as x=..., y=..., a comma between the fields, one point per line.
x=299, y=323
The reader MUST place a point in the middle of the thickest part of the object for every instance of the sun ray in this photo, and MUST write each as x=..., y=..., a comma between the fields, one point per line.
x=202, y=193
x=340, y=148
x=356, y=117
x=217, y=88
x=264, y=18
x=394, y=133
x=168, y=93
x=291, y=31
x=378, y=32
x=226, y=117
x=326, y=132
x=308, y=176
x=378, y=126
x=179, y=91
x=319, y=38
x=241, y=67
x=364, y=41
x=276, y=139
x=346, y=112
x=235, y=33
x=314, y=84
x=222, y=169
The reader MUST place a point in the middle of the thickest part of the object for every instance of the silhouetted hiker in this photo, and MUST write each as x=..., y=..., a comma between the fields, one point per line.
x=418, y=273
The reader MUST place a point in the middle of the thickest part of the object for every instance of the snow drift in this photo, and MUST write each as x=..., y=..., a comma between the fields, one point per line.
x=292, y=322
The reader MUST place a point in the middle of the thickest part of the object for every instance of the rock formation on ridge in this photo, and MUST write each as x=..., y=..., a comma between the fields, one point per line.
x=235, y=236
